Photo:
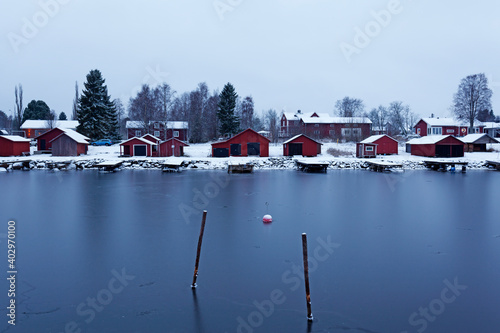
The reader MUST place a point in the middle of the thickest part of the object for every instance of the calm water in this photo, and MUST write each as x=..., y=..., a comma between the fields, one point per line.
x=416, y=251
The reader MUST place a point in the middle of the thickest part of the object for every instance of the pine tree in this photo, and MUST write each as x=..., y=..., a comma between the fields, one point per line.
x=229, y=121
x=96, y=112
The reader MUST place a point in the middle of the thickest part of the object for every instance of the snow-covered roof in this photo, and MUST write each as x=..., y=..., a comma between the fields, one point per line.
x=168, y=124
x=337, y=120
x=491, y=125
x=140, y=139
x=429, y=139
x=372, y=138
x=44, y=124
x=4, y=132
x=471, y=138
x=73, y=135
x=449, y=122
x=177, y=124
x=299, y=135
x=15, y=138
x=152, y=136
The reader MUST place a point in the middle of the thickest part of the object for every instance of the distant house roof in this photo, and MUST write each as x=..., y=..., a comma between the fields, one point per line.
x=168, y=124
x=449, y=122
x=299, y=135
x=44, y=124
x=429, y=139
x=4, y=132
x=491, y=125
x=15, y=138
x=337, y=120
x=472, y=138
x=175, y=139
x=73, y=135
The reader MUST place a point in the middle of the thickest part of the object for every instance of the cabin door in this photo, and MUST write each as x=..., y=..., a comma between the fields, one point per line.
x=42, y=144
x=235, y=149
x=294, y=149
x=253, y=148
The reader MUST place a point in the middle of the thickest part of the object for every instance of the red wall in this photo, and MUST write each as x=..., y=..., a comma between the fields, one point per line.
x=430, y=149
x=166, y=148
x=362, y=152
x=243, y=138
x=11, y=148
x=309, y=147
x=133, y=142
x=48, y=136
x=324, y=130
x=387, y=146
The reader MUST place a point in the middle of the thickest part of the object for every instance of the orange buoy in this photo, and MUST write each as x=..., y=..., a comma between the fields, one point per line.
x=267, y=218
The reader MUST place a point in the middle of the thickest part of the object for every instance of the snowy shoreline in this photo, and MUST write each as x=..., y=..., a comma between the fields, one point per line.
x=198, y=158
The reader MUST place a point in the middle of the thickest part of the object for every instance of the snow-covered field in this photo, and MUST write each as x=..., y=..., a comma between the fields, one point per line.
x=198, y=156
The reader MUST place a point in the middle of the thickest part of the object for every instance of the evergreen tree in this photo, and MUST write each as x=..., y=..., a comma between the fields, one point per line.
x=36, y=110
x=62, y=116
x=228, y=120
x=96, y=112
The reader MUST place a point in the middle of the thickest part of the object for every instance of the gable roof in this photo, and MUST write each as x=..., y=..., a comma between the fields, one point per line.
x=15, y=138
x=185, y=144
x=233, y=137
x=448, y=122
x=169, y=124
x=297, y=136
x=471, y=138
x=429, y=139
x=140, y=139
x=374, y=138
x=74, y=135
x=337, y=120
x=151, y=135
x=44, y=124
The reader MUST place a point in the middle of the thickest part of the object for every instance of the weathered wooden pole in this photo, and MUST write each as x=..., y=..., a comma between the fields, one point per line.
x=200, y=239
x=306, y=277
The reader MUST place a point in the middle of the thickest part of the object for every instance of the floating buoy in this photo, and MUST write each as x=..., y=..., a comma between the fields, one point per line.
x=267, y=218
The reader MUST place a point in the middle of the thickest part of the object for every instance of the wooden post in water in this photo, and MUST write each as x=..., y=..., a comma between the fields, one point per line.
x=306, y=277
x=200, y=239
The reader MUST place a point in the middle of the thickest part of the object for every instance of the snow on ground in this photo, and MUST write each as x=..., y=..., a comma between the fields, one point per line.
x=198, y=155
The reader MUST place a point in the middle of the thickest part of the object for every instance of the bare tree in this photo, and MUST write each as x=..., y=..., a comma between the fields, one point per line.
x=401, y=117
x=349, y=107
x=18, y=117
x=120, y=115
x=473, y=95
x=144, y=108
x=272, y=124
x=74, y=114
x=52, y=119
x=247, y=109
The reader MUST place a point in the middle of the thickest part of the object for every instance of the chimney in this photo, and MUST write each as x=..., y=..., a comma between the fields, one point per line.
x=432, y=115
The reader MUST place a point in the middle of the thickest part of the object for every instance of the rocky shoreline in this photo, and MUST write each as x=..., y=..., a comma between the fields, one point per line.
x=277, y=163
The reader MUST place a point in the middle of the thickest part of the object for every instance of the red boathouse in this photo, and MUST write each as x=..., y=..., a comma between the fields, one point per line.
x=246, y=143
x=138, y=147
x=14, y=145
x=436, y=146
x=385, y=146
x=178, y=147
x=301, y=145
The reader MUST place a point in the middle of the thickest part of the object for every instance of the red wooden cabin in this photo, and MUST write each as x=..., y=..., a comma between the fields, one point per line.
x=301, y=145
x=436, y=146
x=69, y=143
x=138, y=147
x=14, y=145
x=178, y=147
x=246, y=143
x=385, y=144
x=44, y=140
x=366, y=149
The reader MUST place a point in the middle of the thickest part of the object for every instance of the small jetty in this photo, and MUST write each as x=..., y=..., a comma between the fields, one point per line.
x=109, y=166
x=443, y=165
x=58, y=165
x=493, y=164
x=307, y=166
x=171, y=166
x=239, y=167
x=16, y=165
x=382, y=166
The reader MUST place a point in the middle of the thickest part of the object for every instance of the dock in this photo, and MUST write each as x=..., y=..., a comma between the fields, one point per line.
x=493, y=164
x=25, y=165
x=306, y=166
x=239, y=167
x=382, y=166
x=109, y=166
x=443, y=165
x=171, y=166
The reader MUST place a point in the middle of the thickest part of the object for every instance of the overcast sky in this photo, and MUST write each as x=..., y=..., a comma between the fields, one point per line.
x=287, y=54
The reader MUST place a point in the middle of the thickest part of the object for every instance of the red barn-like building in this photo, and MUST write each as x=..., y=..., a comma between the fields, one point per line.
x=69, y=143
x=178, y=147
x=14, y=145
x=366, y=149
x=138, y=147
x=445, y=126
x=246, y=143
x=385, y=144
x=44, y=140
x=436, y=146
x=301, y=145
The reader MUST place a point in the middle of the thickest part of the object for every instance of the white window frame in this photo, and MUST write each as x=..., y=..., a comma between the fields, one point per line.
x=368, y=148
x=356, y=131
x=156, y=125
x=437, y=130
x=157, y=134
x=331, y=132
x=316, y=125
x=346, y=131
x=176, y=134
x=138, y=132
x=316, y=132
x=448, y=131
